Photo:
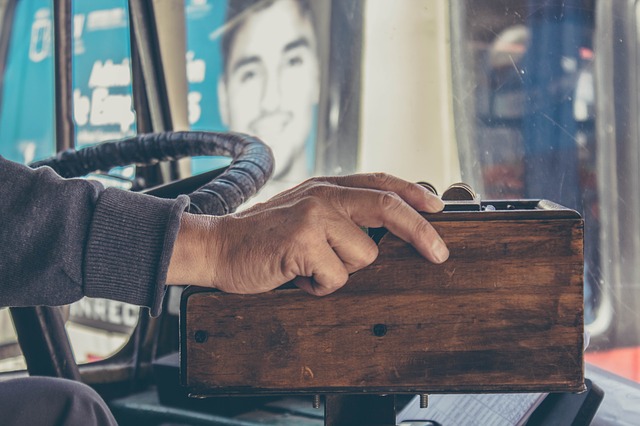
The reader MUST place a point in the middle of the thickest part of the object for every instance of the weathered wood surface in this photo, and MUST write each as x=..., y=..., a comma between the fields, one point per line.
x=504, y=314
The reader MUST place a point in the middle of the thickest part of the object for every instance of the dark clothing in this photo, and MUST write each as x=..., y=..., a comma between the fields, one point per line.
x=62, y=239
x=38, y=401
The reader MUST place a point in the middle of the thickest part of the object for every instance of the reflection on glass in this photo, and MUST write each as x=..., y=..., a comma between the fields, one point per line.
x=534, y=107
x=543, y=123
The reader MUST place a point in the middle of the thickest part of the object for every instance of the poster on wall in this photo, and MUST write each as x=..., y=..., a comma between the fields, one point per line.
x=266, y=68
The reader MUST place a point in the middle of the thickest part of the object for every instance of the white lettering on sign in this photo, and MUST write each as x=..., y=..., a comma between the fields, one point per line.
x=108, y=74
x=107, y=311
x=114, y=316
x=81, y=107
x=82, y=308
x=111, y=109
x=129, y=315
x=106, y=19
x=40, y=42
x=105, y=108
x=195, y=68
x=78, y=26
x=78, y=29
x=100, y=309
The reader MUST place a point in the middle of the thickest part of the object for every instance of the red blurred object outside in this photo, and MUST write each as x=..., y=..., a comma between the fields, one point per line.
x=624, y=362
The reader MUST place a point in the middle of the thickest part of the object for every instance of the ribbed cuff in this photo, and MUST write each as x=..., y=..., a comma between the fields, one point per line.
x=129, y=247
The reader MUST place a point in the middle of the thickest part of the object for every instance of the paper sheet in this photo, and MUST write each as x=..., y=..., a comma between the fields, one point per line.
x=474, y=409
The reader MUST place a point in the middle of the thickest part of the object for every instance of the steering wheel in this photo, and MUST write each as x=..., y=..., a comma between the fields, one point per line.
x=47, y=350
x=251, y=166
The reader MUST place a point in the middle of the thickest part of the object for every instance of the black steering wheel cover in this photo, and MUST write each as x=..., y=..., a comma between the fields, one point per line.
x=251, y=166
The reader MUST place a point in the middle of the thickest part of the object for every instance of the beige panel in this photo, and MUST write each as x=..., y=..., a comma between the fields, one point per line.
x=407, y=118
x=172, y=36
x=170, y=20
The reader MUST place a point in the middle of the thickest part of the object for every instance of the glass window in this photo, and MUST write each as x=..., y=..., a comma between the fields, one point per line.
x=531, y=131
x=204, y=65
x=277, y=70
x=27, y=89
x=521, y=99
x=502, y=95
x=536, y=122
x=103, y=110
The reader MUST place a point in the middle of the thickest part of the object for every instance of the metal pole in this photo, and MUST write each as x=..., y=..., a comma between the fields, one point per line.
x=44, y=342
x=63, y=77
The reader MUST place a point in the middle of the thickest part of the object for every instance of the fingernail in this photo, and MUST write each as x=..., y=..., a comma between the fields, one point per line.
x=440, y=250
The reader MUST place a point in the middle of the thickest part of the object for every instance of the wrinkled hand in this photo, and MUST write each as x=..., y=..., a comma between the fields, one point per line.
x=309, y=234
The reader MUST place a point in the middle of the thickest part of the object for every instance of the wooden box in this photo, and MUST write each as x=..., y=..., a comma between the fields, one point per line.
x=503, y=314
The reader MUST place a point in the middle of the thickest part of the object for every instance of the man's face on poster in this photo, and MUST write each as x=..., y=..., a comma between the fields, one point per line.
x=271, y=82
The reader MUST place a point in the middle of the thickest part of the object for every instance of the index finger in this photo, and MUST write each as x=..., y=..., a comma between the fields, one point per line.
x=374, y=208
x=413, y=194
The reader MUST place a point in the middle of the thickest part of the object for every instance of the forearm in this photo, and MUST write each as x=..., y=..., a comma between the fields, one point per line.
x=63, y=239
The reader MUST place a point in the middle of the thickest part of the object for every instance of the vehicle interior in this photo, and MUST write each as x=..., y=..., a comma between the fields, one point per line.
x=518, y=99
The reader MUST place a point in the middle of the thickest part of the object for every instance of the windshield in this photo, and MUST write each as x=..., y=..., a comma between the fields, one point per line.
x=504, y=96
x=519, y=99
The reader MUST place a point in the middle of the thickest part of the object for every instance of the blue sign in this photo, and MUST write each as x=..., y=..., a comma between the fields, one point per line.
x=102, y=94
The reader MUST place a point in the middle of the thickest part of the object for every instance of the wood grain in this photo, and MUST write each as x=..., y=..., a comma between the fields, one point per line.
x=503, y=314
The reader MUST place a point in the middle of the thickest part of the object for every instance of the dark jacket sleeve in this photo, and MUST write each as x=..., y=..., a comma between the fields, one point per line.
x=62, y=239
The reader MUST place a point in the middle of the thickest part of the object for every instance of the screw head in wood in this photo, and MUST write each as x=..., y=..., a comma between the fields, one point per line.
x=379, y=330
x=201, y=336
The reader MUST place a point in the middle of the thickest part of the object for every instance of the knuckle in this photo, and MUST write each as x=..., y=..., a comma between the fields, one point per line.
x=363, y=256
x=309, y=207
x=390, y=201
x=380, y=179
x=335, y=281
x=423, y=228
x=289, y=265
x=368, y=255
x=308, y=184
x=320, y=189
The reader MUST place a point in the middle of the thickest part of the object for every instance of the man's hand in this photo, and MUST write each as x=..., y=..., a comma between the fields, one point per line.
x=310, y=234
